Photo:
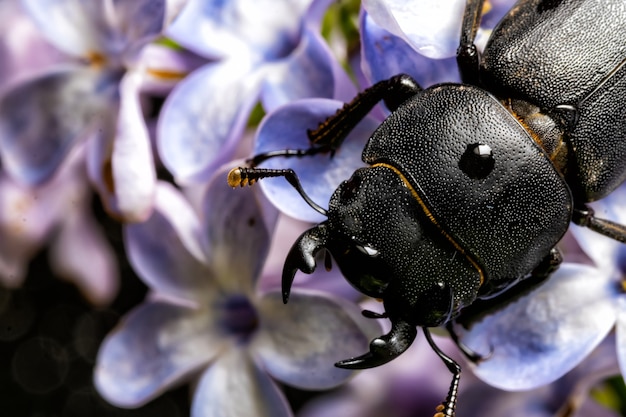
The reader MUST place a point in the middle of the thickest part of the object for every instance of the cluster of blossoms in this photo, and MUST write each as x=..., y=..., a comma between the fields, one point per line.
x=147, y=104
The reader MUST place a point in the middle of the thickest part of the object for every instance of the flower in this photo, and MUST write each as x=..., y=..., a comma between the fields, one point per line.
x=259, y=50
x=57, y=213
x=91, y=96
x=205, y=320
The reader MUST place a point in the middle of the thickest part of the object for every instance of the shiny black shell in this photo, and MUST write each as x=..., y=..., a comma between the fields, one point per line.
x=569, y=52
x=508, y=217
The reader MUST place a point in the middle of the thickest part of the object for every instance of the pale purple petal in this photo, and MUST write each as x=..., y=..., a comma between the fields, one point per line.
x=165, y=249
x=235, y=386
x=96, y=29
x=131, y=167
x=40, y=121
x=28, y=216
x=320, y=175
x=75, y=27
x=432, y=28
x=261, y=30
x=203, y=119
x=385, y=55
x=236, y=235
x=155, y=347
x=300, y=342
x=164, y=67
x=540, y=337
x=138, y=21
x=81, y=254
x=23, y=50
x=310, y=71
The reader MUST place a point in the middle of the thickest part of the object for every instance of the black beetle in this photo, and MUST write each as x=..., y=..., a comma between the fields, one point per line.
x=471, y=186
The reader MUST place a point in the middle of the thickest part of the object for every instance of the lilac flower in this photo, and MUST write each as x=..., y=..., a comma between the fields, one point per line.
x=540, y=337
x=57, y=213
x=570, y=395
x=260, y=50
x=90, y=97
x=205, y=320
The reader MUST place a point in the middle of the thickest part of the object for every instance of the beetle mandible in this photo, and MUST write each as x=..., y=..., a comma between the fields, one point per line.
x=469, y=187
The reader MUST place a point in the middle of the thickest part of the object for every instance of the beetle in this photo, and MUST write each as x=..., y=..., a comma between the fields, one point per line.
x=469, y=187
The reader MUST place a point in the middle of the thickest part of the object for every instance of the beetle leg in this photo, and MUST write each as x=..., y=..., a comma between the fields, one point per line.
x=471, y=356
x=302, y=256
x=467, y=56
x=393, y=91
x=384, y=348
x=585, y=217
x=448, y=407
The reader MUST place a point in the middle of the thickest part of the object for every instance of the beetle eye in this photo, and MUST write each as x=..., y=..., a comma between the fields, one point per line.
x=477, y=161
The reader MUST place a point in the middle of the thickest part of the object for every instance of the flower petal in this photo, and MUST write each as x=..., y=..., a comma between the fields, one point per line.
x=97, y=29
x=267, y=29
x=156, y=346
x=80, y=253
x=203, y=119
x=138, y=21
x=385, y=55
x=320, y=175
x=311, y=71
x=235, y=386
x=74, y=27
x=543, y=335
x=41, y=120
x=131, y=176
x=237, y=235
x=165, y=249
x=299, y=343
x=432, y=28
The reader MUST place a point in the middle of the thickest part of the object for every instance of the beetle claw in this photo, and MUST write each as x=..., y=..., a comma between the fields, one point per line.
x=384, y=348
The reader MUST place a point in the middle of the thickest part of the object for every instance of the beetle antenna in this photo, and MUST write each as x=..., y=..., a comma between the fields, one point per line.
x=240, y=177
x=448, y=407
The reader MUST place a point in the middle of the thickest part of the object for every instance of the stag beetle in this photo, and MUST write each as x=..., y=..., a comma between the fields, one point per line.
x=469, y=187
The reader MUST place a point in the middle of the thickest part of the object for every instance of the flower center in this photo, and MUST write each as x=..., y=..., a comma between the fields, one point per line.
x=239, y=317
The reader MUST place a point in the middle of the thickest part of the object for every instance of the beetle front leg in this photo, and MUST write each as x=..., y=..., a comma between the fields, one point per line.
x=384, y=348
x=331, y=133
x=585, y=217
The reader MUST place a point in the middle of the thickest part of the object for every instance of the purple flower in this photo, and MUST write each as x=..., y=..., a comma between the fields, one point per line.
x=57, y=213
x=93, y=96
x=260, y=50
x=206, y=321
